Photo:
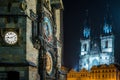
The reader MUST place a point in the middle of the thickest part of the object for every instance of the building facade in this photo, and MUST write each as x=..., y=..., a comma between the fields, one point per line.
x=101, y=72
x=63, y=72
x=100, y=50
x=30, y=39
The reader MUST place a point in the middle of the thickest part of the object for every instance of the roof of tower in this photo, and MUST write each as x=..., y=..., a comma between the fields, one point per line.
x=86, y=22
x=86, y=30
x=107, y=27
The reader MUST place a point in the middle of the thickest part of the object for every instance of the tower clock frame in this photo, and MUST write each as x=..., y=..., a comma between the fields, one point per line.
x=5, y=33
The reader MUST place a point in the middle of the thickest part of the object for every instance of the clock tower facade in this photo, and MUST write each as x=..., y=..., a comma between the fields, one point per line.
x=30, y=41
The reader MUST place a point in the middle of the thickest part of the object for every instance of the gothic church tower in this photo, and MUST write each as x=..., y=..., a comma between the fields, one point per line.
x=85, y=45
x=93, y=54
x=107, y=40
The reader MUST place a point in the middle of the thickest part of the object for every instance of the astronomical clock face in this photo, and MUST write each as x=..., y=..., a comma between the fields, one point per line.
x=11, y=37
x=47, y=29
x=49, y=63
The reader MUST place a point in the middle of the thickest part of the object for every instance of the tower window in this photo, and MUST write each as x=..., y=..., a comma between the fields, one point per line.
x=85, y=47
x=34, y=29
x=103, y=75
x=103, y=71
x=84, y=64
x=105, y=57
x=106, y=44
x=109, y=70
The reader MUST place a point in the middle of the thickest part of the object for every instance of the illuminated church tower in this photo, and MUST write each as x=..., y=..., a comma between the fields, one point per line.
x=85, y=45
x=95, y=52
x=107, y=41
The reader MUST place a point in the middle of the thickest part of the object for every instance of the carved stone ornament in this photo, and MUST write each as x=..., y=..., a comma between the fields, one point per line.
x=23, y=5
x=37, y=44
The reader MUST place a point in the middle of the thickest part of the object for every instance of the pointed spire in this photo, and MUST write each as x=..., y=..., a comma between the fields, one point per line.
x=86, y=19
x=108, y=15
x=107, y=28
x=86, y=31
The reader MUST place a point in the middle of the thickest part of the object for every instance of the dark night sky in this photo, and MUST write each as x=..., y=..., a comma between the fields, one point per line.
x=74, y=17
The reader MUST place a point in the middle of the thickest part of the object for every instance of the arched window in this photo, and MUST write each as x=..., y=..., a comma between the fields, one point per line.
x=112, y=70
x=103, y=75
x=109, y=70
x=95, y=71
x=98, y=71
x=106, y=70
x=103, y=71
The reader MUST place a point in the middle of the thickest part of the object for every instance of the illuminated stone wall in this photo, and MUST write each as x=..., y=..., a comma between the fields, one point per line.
x=102, y=72
x=93, y=54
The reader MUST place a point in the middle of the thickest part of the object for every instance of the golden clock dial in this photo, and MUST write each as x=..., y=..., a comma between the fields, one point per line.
x=11, y=37
x=49, y=63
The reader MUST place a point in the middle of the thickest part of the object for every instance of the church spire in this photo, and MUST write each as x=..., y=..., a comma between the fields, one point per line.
x=86, y=31
x=107, y=27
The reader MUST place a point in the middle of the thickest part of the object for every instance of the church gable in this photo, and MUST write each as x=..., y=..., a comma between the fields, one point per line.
x=95, y=48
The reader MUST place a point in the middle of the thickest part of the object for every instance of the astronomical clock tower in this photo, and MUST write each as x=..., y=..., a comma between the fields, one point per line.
x=50, y=16
x=30, y=39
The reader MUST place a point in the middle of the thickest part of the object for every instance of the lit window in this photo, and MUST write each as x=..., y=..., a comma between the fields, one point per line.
x=106, y=70
x=109, y=70
x=109, y=76
x=99, y=71
x=106, y=75
x=96, y=71
x=112, y=75
x=103, y=75
x=113, y=70
x=103, y=71
x=98, y=76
